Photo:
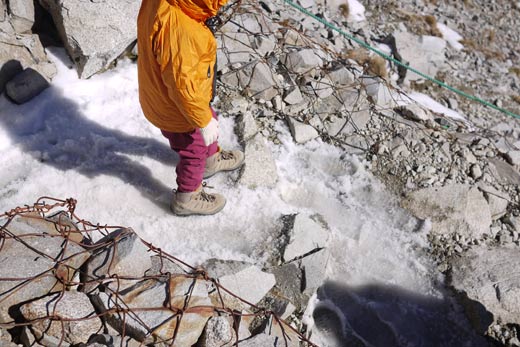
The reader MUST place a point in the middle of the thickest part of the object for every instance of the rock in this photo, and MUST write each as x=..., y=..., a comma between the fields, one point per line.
x=476, y=172
x=260, y=168
x=71, y=307
x=263, y=45
x=250, y=284
x=414, y=112
x=302, y=61
x=22, y=15
x=186, y=294
x=246, y=126
x=452, y=209
x=341, y=76
x=218, y=333
x=25, y=86
x=100, y=340
x=235, y=47
x=157, y=320
x=95, y=33
x=120, y=254
x=3, y=10
x=378, y=92
x=513, y=158
x=301, y=132
x=424, y=53
x=489, y=286
x=5, y=337
x=293, y=96
x=286, y=336
x=314, y=269
x=216, y=268
x=19, y=52
x=321, y=88
x=503, y=171
x=262, y=84
x=289, y=282
x=497, y=201
x=308, y=234
x=161, y=266
x=262, y=340
x=27, y=338
x=26, y=261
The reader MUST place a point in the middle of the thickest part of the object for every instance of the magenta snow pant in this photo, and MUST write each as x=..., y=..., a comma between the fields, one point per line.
x=193, y=153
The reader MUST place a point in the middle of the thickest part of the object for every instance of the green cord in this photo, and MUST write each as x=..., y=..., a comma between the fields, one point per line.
x=397, y=62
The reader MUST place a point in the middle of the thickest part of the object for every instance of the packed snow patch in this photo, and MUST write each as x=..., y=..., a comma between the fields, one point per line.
x=451, y=36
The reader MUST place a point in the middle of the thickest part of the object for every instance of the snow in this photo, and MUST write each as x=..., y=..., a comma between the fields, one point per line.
x=88, y=139
x=451, y=36
x=435, y=106
x=356, y=9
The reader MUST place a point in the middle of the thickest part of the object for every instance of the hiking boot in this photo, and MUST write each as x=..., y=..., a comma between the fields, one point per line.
x=197, y=203
x=223, y=161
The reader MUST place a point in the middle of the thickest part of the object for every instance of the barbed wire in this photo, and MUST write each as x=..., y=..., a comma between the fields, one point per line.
x=73, y=230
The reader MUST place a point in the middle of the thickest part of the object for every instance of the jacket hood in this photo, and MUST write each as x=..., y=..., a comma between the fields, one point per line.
x=200, y=10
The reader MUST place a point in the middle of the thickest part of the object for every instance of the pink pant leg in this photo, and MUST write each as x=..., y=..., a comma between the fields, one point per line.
x=193, y=153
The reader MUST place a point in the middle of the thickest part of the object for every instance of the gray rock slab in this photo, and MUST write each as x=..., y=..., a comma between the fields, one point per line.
x=341, y=76
x=302, y=61
x=497, y=201
x=25, y=86
x=218, y=333
x=314, y=268
x=251, y=284
x=236, y=47
x=308, y=233
x=74, y=308
x=414, y=112
x=246, y=126
x=120, y=254
x=452, y=209
x=216, y=268
x=33, y=264
x=95, y=33
x=378, y=92
x=22, y=15
x=488, y=280
x=260, y=168
x=293, y=96
x=150, y=320
x=262, y=340
x=503, y=171
x=301, y=132
x=3, y=10
x=262, y=84
x=513, y=158
x=289, y=283
x=424, y=53
x=18, y=52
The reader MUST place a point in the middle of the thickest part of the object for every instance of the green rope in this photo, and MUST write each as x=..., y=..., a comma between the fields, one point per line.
x=397, y=62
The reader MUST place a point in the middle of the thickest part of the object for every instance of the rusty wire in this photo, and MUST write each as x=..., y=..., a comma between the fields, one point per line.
x=46, y=207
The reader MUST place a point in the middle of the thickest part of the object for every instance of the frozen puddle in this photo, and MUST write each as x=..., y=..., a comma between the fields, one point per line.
x=87, y=139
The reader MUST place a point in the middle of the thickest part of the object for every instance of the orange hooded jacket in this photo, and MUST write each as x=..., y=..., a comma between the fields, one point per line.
x=177, y=54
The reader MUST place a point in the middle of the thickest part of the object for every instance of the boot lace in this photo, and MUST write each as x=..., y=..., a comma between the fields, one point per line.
x=226, y=155
x=205, y=196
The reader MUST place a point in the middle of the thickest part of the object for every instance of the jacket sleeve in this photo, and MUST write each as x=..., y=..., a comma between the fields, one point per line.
x=187, y=65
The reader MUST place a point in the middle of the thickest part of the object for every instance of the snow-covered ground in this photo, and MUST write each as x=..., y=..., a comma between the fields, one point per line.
x=88, y=139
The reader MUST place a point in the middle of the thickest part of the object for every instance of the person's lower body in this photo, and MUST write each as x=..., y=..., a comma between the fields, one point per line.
x=198, y=161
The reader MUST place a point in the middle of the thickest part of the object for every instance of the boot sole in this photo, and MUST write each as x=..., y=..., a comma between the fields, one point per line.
x=189, y=213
